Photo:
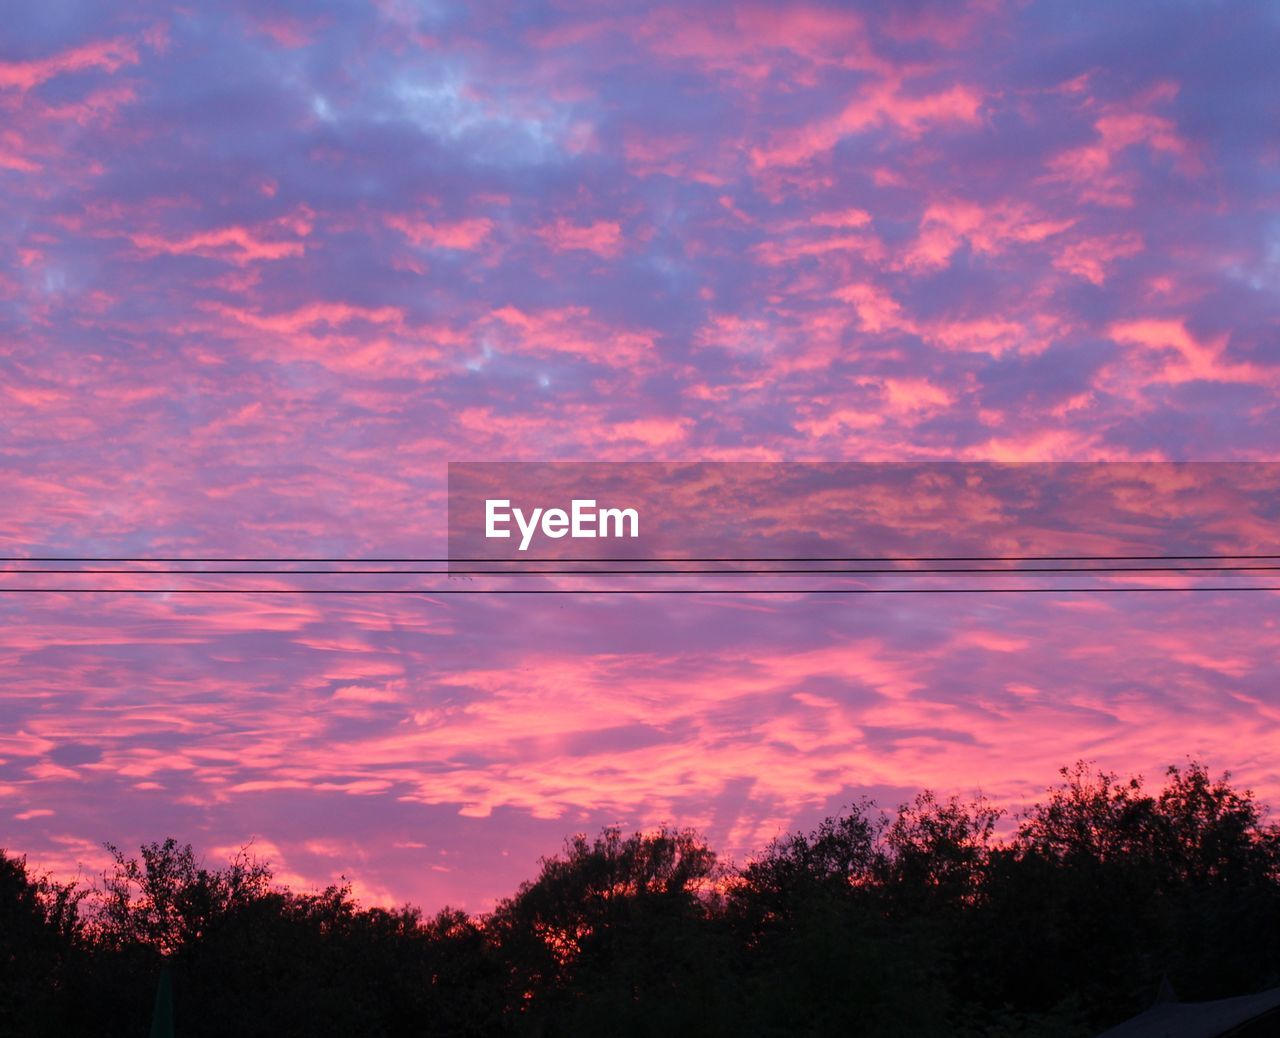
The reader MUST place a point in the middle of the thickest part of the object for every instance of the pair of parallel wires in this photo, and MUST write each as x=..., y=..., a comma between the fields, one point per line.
x=976, y=573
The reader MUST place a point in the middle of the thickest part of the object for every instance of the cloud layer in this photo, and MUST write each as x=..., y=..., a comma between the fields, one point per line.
x=267, y=268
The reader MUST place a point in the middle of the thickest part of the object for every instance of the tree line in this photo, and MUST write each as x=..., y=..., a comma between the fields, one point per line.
x=934, y=919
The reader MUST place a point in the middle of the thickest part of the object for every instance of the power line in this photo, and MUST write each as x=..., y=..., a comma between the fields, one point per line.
x=428, y=593
x=652, y=559
x=924, y=571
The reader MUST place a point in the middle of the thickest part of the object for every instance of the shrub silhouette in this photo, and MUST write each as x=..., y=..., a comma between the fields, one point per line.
x=919, y=921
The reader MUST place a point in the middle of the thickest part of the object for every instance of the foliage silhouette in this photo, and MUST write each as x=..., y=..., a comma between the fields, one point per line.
x=921, y=921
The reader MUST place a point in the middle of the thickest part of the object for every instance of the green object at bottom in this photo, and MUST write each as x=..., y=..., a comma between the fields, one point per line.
x=162, y=1014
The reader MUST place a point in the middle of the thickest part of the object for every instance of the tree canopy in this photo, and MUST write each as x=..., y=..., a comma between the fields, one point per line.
x=941, y=917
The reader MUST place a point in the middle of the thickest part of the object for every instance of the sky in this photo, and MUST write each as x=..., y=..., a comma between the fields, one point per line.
x=267, y=268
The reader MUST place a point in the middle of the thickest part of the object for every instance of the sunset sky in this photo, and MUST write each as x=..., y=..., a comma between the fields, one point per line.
x=266, y=268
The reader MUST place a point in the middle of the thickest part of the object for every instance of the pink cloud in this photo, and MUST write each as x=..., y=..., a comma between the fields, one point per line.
x=570, y=330
x=463, y=235
x=603, y=237
x=945, y=226
x=748, y=43
x=353, y=340
x=877, y=310
x=733, y=332
x=651, y=432
x=106, y=55
x=239, y=245
x=1181, y=357
x=884, y=104
x=947, y=24
x=1090, y=257
x=1092, y=167
x=835, y=232
x=991, y=335
x=842, y=218
x=674, y=155
x=313, y=314
x=12, y=147
x=746, y=229
x=288, y=32
x=916, y=396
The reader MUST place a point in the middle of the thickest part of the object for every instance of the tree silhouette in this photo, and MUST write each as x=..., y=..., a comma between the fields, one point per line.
x=921, y=921
x=613, y=934
x=40, y=928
